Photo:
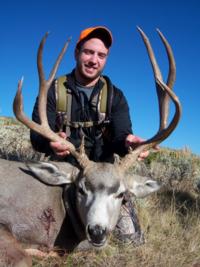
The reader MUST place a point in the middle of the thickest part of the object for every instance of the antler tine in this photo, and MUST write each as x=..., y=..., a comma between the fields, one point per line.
x=172, y=64
x=45, y=84
x=156, y=70
x=163, y=98
x=164, y=92
x=43, y=128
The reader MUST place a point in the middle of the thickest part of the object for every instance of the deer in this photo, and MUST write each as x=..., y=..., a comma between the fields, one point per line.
x=39, y=200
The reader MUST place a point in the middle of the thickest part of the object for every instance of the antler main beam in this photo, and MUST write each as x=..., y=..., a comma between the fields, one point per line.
x=164, y=93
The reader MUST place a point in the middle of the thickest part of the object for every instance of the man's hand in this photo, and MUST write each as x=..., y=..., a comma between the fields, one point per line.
x=132, y=140
x=59, y=149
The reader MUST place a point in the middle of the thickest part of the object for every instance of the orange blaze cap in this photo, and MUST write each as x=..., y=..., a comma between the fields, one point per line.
x=100, y=32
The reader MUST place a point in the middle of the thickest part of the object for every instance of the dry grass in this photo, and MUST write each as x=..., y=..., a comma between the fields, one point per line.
x=169, y=243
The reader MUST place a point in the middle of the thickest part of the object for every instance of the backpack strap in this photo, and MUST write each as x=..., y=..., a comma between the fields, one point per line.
x=105, y=101
x=61, y=93
x=64, y=104
x=103, y=96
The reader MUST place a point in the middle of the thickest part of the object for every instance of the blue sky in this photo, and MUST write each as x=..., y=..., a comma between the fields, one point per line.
x=23, y=23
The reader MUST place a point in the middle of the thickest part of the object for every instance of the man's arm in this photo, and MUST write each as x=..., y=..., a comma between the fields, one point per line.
x=121, y=125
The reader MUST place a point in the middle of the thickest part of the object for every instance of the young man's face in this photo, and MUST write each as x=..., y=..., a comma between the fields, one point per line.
x=90, y=60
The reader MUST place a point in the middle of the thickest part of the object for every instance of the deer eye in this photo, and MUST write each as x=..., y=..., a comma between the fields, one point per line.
x=81, y=191
x=121, y=195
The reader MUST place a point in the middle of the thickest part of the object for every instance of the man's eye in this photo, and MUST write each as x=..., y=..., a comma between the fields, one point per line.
x=87, y=51
x=102, y=55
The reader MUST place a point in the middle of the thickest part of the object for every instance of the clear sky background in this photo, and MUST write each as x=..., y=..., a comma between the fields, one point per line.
x=23, y=23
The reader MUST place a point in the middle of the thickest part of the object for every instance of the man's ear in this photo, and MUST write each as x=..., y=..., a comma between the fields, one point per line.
x=76, y=53
x=50, y=173
x=141, y=186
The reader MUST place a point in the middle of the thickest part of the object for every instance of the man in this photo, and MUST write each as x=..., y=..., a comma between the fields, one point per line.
x=91, y=54
x=105, y=135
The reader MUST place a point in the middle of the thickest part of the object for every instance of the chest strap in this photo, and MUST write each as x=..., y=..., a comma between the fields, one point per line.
x=64, y=106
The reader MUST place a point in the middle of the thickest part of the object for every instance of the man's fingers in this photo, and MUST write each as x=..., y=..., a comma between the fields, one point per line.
x=63, y=154
x=156, y=147
x=58, y=146
x=62, y=134
x=143, y=155
x=59, y=149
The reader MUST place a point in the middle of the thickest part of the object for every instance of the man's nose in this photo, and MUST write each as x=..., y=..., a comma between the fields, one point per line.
x=94, y=58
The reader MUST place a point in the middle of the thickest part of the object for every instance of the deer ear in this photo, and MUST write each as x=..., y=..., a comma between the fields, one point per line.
x=50, y=173
x=142, y=186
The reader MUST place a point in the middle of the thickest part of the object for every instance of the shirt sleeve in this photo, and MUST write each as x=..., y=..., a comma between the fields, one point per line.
x=120, y=122
x=38, y=142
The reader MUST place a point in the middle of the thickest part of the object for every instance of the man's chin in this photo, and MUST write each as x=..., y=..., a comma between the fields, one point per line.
x=89, y=78
x=91, y=75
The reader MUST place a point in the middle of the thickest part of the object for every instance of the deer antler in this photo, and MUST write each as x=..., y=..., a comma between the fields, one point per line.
x=164, y=92
x=44, y=85
x=163, y=97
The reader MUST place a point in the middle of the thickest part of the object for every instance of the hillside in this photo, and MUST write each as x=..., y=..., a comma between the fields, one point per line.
x=15, y=141
x=8, y=121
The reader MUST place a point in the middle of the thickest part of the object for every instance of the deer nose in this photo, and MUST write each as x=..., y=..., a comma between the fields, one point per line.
x=97, y=234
